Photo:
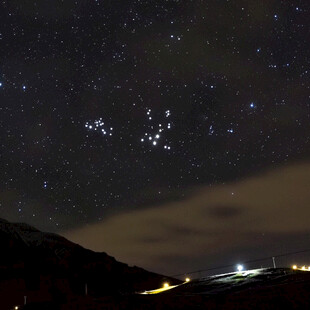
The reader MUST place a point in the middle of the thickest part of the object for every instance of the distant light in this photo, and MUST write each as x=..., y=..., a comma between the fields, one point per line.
x=294, y=267
x=309, y=268
x=303, y=268
x=187, y=279
x=166, y=285
x=16, y=307
x=240, y=268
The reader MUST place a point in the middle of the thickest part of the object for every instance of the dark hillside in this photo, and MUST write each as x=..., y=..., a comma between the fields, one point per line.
x=45, y=267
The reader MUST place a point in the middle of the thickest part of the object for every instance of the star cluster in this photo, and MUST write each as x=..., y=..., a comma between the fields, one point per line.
x=108, y=106
x=98, y=125
x=157, y=130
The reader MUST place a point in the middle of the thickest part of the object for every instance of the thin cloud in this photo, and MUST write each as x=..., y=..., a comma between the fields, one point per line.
x=211, y=222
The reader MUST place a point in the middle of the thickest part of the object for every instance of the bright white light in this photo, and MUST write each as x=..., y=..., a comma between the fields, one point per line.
x=154, y=142
x=168, y=113
x=240, y=268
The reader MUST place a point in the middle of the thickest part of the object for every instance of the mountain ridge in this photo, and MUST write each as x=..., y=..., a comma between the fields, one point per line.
x=50, y=266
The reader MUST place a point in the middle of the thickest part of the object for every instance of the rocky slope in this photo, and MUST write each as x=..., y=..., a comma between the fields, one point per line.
x=45, y=266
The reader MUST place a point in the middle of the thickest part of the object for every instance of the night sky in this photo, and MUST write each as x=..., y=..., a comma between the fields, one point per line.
x=110, y=107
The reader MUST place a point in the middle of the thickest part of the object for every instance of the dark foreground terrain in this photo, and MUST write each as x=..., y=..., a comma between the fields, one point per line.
x=260, y=289
x=53, y=273
x=49, y=269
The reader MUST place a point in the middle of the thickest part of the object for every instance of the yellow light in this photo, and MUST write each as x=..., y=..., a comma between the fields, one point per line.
x=303, y=268
x=187, y=279
x=309, y=268
x=294, y=267
x=16, y=308
x=166, y=285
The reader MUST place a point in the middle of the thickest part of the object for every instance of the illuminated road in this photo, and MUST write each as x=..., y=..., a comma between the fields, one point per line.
x=160, y=290
x=166, y=287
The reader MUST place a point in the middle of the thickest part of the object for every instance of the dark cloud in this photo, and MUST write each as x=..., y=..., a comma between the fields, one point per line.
x=224, y=212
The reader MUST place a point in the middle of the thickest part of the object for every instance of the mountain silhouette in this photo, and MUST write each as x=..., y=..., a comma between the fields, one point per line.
x=47, y=267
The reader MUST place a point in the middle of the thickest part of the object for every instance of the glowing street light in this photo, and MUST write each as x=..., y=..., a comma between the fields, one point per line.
x=187, y=279
x=303, y=268
x=294, y=267
x=240, y=268
x=166, y=285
